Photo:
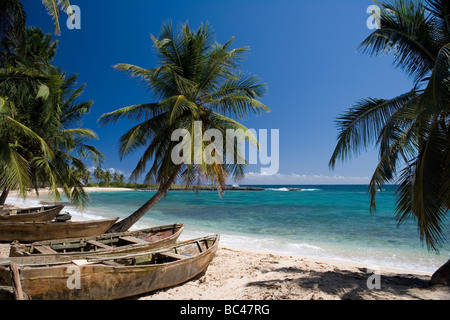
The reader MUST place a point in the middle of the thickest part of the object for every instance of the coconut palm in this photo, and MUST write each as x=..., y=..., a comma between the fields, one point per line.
x=99, y=174
x=412, y=130
x=59, y=124
x=14, y=170
x=13, y=16
x=20, y=82
x=13, y=26
x=108, y=177
x=52, y=111
x=196, y=80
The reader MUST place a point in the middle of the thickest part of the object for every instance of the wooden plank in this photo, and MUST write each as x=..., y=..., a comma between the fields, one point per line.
x=173, y=255
x=99, y=244
x=80, y=263
x=199, y=246
x=112, y=263
x=17, y=286
x=45, y=250
x=132, y=239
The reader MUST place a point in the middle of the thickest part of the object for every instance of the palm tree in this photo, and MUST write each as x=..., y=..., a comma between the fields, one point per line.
x=196, y=80
x=13, y=16
x=13, y=27
x=99, y=174
x=14, y=169
x=412, y=130
x=59, y=121
x=108, y=177
x=20, y=81
x=52, y=112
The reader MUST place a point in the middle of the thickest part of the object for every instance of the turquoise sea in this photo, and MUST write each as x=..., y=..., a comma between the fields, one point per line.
x=331, y=221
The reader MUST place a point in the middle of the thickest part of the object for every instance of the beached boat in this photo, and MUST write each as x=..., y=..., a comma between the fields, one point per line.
x=111, y=278
x=39, y=231
x=105, y=244
x=35, y=214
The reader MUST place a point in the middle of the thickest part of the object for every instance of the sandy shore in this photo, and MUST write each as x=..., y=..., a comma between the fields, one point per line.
x=247, y=274
x=244, y=274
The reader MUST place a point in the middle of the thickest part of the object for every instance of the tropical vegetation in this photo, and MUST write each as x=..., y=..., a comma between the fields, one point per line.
x=196, y=79
x=42, y=144
x=412, y=130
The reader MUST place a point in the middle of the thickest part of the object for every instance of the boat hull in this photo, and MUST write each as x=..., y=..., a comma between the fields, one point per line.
x=33, y=214
x=39, y=231
x=153, y=238
x=99, y=281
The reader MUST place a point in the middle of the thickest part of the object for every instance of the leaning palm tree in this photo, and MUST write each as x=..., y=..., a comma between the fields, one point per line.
x=197, y=80
x=412, y=130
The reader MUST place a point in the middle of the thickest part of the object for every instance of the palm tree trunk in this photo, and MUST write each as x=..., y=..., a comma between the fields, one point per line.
x=127, y=223
x=3, y=196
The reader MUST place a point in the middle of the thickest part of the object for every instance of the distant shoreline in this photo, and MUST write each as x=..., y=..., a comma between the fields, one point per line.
x=183, y=187
x=45, y=191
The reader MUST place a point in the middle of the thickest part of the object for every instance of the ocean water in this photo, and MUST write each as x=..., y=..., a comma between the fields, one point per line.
x=318, y=221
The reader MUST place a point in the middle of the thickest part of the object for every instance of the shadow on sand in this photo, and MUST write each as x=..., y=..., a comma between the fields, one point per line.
x=348, y=284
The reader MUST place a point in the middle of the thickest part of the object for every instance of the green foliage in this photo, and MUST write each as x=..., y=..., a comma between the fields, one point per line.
x=196, y=79
x=43, y=144
x=412, y=131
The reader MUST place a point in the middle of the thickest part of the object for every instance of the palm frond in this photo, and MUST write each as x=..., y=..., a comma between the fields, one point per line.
x=136, y=112
x=361, y=125
x=405, y=31
x=53, y=7
x=420, y=192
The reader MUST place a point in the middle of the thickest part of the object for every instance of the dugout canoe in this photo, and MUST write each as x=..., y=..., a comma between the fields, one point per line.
x=105, y=244
x=35, y=214
x=112, y=278
x=40, y=231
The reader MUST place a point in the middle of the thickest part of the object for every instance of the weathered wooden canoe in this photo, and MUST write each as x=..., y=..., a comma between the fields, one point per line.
x=35, y=214
x=111, y=278
x=39, y=231
x=105, y=244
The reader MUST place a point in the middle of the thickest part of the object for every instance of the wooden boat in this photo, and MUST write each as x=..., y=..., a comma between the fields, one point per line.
x=39, y=231
x=35, y=214
x=111, y=278
x=7, y=293
x=105, y=244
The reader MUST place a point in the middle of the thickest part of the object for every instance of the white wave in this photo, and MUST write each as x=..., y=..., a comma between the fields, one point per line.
x=303, y=246
x=83, y=215
x=291, y=189
x=23, y=203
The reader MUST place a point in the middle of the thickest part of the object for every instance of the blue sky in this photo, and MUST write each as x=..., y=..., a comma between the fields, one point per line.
x=304, y=50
